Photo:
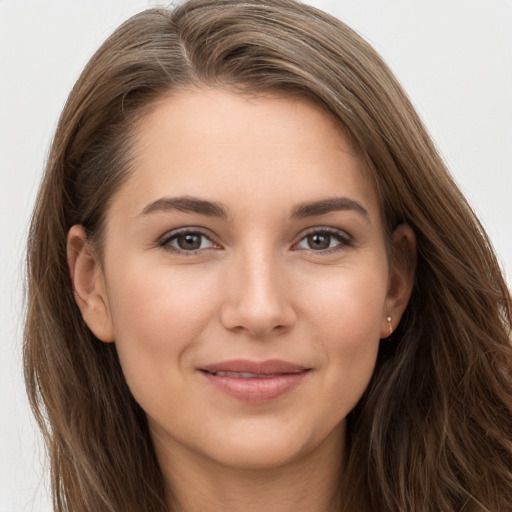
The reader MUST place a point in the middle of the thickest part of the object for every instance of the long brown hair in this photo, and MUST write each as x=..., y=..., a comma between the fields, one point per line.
x=434, y=428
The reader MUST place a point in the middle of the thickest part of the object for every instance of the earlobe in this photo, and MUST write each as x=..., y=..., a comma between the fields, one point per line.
x=89, y=284
x=401, y=277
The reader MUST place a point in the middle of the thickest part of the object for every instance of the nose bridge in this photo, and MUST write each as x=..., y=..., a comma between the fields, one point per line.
x=259, y=301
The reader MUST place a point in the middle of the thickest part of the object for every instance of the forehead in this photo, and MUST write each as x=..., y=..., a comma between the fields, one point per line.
x=227, y=145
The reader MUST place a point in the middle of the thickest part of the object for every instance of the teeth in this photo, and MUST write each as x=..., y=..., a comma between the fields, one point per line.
x=243, y=375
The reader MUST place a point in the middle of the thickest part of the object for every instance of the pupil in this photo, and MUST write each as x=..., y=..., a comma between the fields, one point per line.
x=189, y=242
x=317, y=241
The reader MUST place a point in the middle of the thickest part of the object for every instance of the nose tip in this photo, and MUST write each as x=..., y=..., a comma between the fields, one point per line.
x=258, y=316
x=257, y=323
x=258, y=306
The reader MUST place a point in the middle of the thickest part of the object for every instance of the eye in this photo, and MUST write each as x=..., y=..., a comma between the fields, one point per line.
x=187, y=241
x=324, y=240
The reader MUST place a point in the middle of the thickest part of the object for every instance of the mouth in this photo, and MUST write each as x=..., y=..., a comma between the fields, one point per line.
x=252, y=381
x=245, y=375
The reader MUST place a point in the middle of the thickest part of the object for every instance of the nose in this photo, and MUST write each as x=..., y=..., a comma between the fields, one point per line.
x=258, y=299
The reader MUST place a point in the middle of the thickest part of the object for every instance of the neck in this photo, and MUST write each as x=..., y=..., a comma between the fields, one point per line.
x=308, y=484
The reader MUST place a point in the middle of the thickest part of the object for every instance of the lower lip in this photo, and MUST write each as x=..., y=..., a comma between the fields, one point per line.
x=256, y=389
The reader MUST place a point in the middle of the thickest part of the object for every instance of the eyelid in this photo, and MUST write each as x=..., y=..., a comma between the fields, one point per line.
x=164, y=240
x=345, y=239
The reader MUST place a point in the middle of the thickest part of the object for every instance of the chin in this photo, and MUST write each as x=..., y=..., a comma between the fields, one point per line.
x=261, y=454
x=267, y=446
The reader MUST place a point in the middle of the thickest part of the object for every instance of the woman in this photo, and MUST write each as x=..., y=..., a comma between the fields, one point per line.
x=253, y=284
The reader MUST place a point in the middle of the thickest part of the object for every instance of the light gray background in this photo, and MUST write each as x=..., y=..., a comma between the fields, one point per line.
x=454, y=57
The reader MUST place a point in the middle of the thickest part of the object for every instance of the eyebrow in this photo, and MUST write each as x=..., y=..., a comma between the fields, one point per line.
x=324, y=206
x=189, y=204
x=185, y=204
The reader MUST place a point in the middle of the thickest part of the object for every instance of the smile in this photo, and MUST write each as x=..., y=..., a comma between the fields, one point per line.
x=255, y=382
x=244, y=375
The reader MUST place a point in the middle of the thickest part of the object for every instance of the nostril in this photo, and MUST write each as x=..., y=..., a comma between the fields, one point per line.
x=257, y=323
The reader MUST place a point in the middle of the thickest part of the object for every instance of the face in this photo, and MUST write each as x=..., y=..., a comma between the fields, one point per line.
x=245, y=278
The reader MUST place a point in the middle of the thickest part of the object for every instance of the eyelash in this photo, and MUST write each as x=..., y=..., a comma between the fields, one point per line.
x=166, y=240
x=343, y=238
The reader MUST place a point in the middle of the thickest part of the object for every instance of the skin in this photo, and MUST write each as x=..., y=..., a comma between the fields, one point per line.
x=257, y=288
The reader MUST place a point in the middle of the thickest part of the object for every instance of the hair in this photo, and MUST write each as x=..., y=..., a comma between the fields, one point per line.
x=433, y=430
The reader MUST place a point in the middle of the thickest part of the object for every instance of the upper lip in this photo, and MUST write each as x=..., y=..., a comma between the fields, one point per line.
x=269, y=367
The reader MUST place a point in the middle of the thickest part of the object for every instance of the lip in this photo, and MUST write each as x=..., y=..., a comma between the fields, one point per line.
x=255, y=381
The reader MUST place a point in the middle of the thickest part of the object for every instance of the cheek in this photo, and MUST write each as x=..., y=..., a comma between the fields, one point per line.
x=345, y=320
x=157, y=318
x=156, y=306
x=348, y=304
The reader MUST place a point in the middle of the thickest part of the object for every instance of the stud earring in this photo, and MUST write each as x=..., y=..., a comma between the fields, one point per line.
x=390, y=325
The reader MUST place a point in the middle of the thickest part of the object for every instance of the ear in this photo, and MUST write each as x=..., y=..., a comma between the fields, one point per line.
x=401, y=277
x=89, y=284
